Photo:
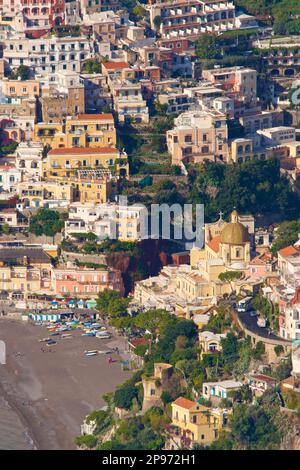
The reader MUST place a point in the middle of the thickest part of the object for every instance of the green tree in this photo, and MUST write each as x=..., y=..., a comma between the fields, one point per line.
x=253, y=428
x=208, y=47
x=229, y=348
x=104, y=298
x=153, y=320
x=117, y=307
x=91, y=66
x=46, y=222
x=230, y=276
x=124, y=396
x=22, y=72
x=87, y=440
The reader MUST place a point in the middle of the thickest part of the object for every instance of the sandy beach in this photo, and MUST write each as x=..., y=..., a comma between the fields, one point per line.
x=50, y=393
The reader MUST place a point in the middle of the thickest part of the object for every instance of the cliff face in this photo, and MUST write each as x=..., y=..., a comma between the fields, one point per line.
x=144, y=261
x=291, y=432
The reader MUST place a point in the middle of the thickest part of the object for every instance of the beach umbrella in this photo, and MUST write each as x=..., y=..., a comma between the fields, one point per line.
x=91, y=303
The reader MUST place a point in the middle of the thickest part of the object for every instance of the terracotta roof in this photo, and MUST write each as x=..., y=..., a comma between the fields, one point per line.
x=95, y=117
x=289, y=250
x=116, y=65
x=139, y=342
x=83, y=151
x=184, y=403
x=263, y=378
x=263, y=258
x=8, y=210
x=214, y=243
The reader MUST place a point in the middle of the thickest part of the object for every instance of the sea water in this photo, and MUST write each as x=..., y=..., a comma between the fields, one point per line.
x=13, y=434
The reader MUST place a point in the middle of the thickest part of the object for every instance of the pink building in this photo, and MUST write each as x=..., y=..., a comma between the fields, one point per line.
x=262, y=265
x=85, y=282
x=239, y=83
x=198, y=136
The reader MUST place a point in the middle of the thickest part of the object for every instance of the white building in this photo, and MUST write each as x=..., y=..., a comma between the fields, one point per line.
x=219, y=389
x=47, y=56
x=9, y=178
x=112, y=221
x=29, y=159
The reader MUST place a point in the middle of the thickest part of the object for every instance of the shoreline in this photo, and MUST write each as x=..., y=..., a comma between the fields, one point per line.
x=29, y=438
x=52, y=392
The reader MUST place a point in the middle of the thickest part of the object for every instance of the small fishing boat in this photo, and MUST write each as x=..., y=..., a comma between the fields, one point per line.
x=91, y=353
x=103, y=335
x=44, y=340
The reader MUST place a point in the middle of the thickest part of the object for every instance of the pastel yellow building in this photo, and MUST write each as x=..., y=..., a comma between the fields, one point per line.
x=24, y=271
x=91, y=130
x=97, y=186
x=85, y=130
x=48, y=194
x=64, y=162
x=228, y=251
x=196, y=423
x=50, y=134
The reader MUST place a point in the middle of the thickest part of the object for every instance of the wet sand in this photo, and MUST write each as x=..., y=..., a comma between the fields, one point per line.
x=52, y=392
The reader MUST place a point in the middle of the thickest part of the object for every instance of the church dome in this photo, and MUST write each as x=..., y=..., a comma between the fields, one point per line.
x=234, y=233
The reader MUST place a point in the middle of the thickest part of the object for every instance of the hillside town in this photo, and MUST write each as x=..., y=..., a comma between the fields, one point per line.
x=115, y=116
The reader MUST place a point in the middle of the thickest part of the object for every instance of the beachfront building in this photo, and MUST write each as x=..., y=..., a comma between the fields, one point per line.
x=84, y=282
x=24, y=271
x=64, y=162
x=195, y=423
